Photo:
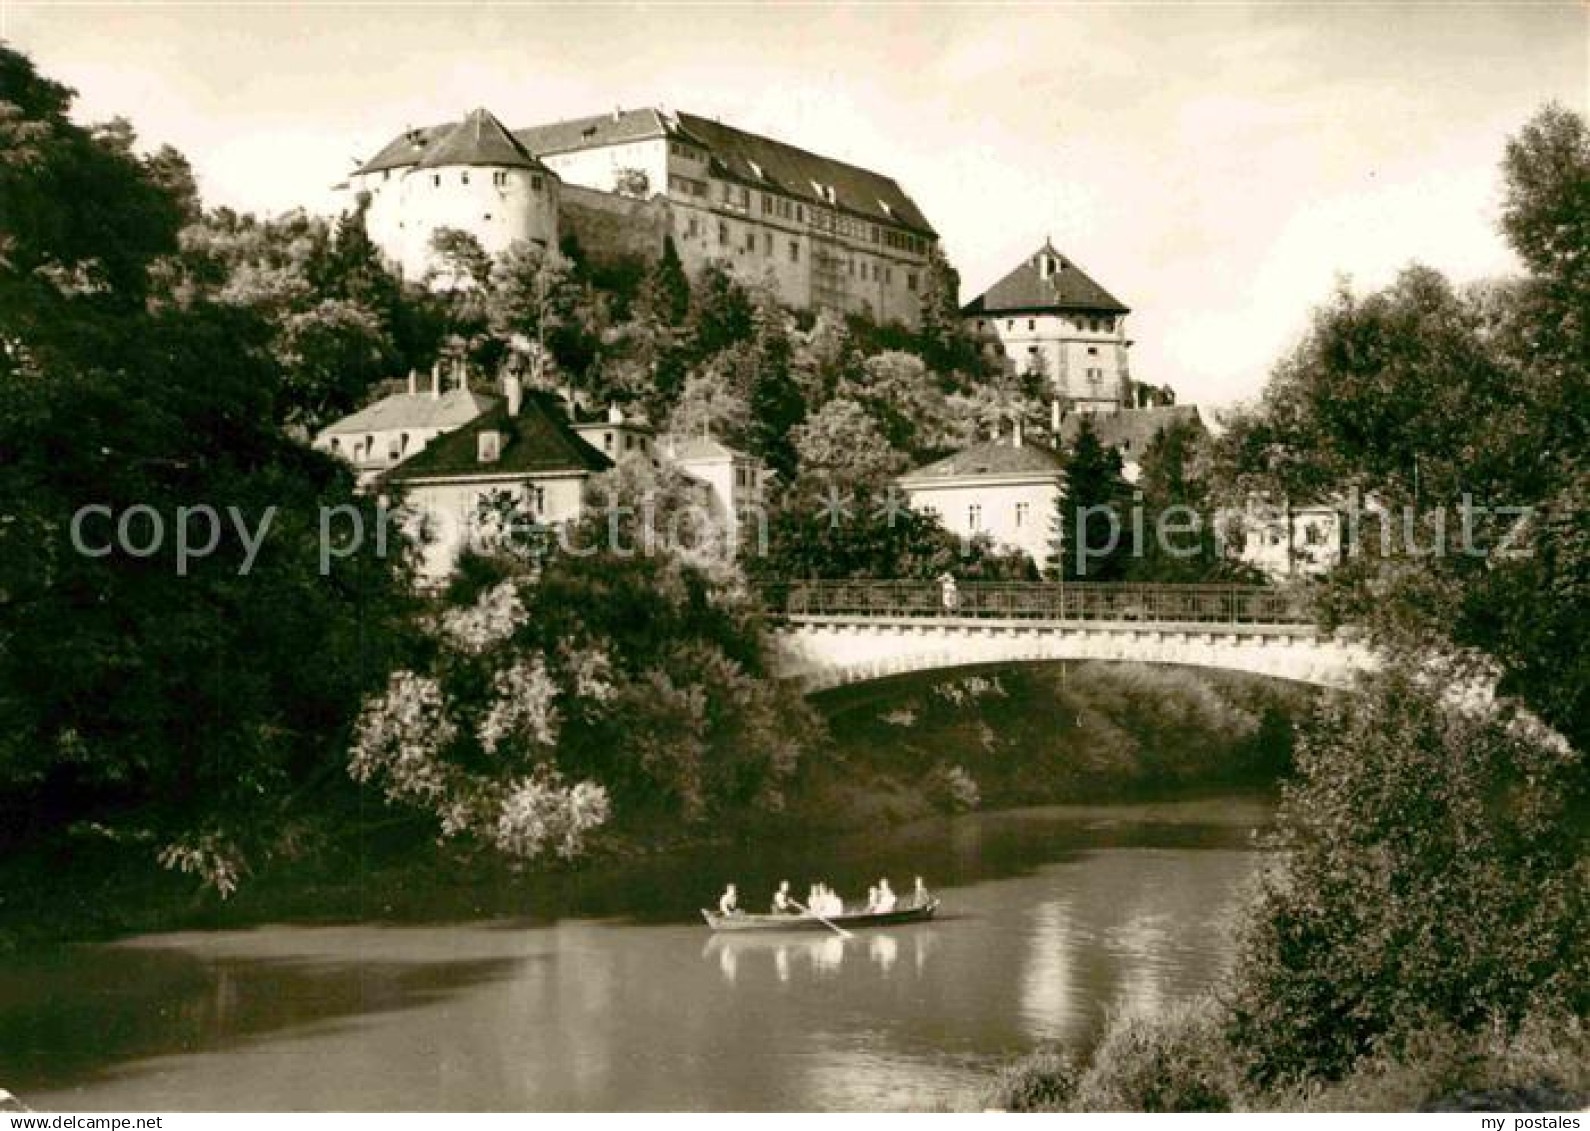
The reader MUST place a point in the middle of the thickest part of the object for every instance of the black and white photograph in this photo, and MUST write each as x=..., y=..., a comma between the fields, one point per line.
x=702, y=557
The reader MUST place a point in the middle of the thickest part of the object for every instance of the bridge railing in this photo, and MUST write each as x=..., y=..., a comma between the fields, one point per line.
x=1039, y=601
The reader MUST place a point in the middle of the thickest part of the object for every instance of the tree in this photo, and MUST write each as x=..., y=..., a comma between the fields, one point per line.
x=841, y=442
x=1091, y=515
x=1174, y=490
x=773, y=395
x=1435, y=874
x=167, y=699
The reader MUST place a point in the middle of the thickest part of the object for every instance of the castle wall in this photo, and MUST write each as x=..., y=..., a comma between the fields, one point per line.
x=610, y=227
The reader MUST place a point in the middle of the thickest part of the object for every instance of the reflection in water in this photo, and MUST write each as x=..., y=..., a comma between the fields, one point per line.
x=1051, y=918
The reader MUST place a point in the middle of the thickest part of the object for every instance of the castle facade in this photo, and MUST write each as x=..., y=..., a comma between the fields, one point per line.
x=827, y=235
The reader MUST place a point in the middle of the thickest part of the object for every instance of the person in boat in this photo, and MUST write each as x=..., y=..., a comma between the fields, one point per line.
x=872, y=900
x=886, y=900
x=920, y=896
x=782, y=903
x=814, y=899
x=729, y=901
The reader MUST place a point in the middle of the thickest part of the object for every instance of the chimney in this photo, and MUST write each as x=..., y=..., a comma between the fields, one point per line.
x=1054, y=417
x=515, y=391
x=414, y=382
x=436, y=380
x=615, y=415
x=1015, y=436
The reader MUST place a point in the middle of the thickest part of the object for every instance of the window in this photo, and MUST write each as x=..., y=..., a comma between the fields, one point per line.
x=691, y=227
x=488, y=447
x=607, y=441
x=463, y=177
x=1095, y=375
x=394, y=449
x=1010, y=323
x=910, y=281
x=750, y=241
x=723, y=234
x=794, y=251
x=1032, y=324
x=767, y=243
x=800, y=214
x=1021, y=514
x=1093, y=351
x=535, y=182
x=499, y=178
x=974, y=517
x=436, y=180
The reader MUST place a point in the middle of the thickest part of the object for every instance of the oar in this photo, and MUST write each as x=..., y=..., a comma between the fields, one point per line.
x=844, y=934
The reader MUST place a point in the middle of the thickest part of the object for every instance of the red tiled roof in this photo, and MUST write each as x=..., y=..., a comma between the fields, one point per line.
x=1025, y=289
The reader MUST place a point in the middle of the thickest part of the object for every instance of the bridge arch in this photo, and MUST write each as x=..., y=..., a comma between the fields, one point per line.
x=829, y=634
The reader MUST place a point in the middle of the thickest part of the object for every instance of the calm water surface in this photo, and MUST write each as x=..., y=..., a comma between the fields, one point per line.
x=551, y=999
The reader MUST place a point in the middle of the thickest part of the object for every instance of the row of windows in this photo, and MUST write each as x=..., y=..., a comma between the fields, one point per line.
x=974, y=516
x=739, y=197
x=748, y=245
x=499, y=177
x=1105, y=325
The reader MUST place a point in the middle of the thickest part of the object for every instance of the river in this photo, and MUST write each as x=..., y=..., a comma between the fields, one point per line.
x=608, y=993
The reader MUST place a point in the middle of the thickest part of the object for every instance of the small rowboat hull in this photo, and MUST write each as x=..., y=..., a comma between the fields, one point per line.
x=728, y=923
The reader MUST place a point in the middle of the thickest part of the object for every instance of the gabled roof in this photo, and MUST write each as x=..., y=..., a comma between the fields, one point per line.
x=761, y=161
x=991, y=458
x=479, y=139
x=538, y=441
x=1131, y=429
x=414, y=410
x=600, y=129
x=1067, y=287
x=689, y=449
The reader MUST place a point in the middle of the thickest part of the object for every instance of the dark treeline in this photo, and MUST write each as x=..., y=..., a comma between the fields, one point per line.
x=1421, y=942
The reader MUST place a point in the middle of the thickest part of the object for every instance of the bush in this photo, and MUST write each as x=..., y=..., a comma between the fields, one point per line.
x=1044, y=1081
x=1175, y=1061
x=1436, y=877
x=950, y=788
x=1544, y=1066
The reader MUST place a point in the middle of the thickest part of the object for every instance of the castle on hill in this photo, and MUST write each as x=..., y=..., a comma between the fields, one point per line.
x=826, y=234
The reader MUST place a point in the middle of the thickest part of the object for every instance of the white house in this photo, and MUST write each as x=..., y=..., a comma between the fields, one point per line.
x=737, y=481
x=383, y=434
x=523, y=448
x=1005, y=489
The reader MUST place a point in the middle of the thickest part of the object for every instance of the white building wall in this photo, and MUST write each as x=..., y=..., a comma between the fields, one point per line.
x=408, y=207
x=598, y=168
x=1085, y=356
x=448, y=510
x=1014, y=513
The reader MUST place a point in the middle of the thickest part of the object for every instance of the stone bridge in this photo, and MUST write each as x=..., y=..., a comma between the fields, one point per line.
x=831, y=633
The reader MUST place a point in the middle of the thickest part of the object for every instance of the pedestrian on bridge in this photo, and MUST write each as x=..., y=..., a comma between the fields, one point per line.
x=950, y=595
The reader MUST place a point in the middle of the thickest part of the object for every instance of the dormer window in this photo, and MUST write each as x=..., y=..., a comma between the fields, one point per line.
x=488, y=446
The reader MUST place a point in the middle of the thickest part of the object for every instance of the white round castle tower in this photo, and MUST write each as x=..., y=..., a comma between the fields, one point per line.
x=474, y=176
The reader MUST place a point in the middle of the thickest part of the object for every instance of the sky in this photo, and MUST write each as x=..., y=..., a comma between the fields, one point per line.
x=1219, y=167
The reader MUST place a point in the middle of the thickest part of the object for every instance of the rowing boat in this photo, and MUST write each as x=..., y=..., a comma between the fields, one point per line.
x=916, y=913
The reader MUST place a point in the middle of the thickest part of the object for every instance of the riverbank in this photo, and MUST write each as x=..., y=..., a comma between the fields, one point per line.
x=902, y=750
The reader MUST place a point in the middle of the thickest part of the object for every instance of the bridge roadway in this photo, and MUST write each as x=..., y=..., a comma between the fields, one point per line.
x=831, y=633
